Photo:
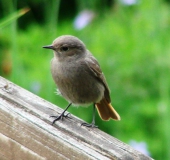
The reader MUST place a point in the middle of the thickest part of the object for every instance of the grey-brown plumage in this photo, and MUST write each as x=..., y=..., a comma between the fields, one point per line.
x=78, y=76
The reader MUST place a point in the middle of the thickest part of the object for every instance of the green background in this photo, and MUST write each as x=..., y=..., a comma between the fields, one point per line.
x=131, y=43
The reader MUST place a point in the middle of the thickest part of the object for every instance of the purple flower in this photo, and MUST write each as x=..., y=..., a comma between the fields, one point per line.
x=83, y=19
x=129, y=2
x=140, y=146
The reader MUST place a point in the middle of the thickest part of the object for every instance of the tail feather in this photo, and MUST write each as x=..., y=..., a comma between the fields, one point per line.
x=106, y=111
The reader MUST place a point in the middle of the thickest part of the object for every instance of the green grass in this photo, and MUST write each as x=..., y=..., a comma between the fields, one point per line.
x=132, y=46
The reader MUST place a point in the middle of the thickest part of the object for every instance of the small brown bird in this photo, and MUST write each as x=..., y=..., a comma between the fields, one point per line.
x=79, y=78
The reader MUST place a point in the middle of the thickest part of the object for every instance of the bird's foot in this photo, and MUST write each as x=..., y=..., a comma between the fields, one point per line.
x=90, y=125
x=62, y=116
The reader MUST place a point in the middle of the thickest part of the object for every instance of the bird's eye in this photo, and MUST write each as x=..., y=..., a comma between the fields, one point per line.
x=64, y=49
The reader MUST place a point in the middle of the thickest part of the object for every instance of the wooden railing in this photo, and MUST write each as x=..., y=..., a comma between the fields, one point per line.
x=26, y=132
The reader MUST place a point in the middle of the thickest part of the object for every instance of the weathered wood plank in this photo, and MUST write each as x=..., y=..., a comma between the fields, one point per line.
x=26, y=132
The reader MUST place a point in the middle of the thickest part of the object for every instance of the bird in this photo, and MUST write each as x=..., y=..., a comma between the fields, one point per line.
x=79, y=78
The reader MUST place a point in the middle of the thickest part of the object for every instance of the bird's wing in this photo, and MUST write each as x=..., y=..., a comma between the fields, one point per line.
x=96, y=70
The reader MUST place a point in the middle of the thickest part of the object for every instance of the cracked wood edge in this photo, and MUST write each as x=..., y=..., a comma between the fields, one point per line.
x=26, y=132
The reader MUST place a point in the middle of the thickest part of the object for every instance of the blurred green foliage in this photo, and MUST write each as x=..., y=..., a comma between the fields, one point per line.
x=132, y=44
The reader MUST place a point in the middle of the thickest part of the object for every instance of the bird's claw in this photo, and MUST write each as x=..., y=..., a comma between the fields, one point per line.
x=62, y=116
x=90, y=125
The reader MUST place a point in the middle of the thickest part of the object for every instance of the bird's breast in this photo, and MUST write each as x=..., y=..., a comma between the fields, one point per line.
x=76, y=82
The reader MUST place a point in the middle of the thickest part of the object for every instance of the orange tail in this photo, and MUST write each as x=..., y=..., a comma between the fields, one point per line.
x=106, y=111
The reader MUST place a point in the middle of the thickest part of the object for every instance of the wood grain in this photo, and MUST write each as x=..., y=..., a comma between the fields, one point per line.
x=26, y=132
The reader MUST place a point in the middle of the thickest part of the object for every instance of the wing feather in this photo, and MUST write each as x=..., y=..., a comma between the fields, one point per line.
x=96, y=70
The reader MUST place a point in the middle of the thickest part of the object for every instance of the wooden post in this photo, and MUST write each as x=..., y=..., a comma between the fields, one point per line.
x=26, y=132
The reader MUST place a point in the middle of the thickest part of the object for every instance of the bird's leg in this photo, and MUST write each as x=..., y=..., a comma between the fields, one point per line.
x=61, y=116
x=93, y=121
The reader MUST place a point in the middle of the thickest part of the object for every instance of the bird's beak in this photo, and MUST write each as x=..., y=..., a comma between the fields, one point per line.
x=49, y=47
